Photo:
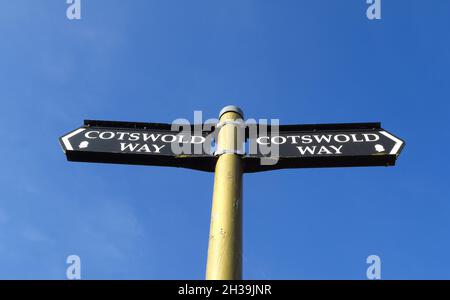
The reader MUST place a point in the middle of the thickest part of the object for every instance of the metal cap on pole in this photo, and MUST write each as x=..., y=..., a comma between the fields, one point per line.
x=231, y=108
x=225, y=239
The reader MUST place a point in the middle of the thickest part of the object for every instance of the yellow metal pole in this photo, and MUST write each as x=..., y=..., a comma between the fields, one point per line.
x=225, y=239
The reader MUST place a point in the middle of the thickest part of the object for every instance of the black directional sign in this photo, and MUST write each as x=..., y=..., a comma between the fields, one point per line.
x=139, y=143
x=327, y=145
x=268, y=148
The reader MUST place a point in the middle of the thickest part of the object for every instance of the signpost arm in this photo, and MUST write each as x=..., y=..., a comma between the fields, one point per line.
x=225, y=239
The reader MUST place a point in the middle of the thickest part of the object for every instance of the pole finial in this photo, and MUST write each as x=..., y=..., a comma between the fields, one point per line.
x=231, y=108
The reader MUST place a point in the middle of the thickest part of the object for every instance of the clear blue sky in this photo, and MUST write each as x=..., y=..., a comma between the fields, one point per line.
x=305, y=61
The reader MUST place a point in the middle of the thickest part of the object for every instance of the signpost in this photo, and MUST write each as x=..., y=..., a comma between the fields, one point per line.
x=219, y=148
